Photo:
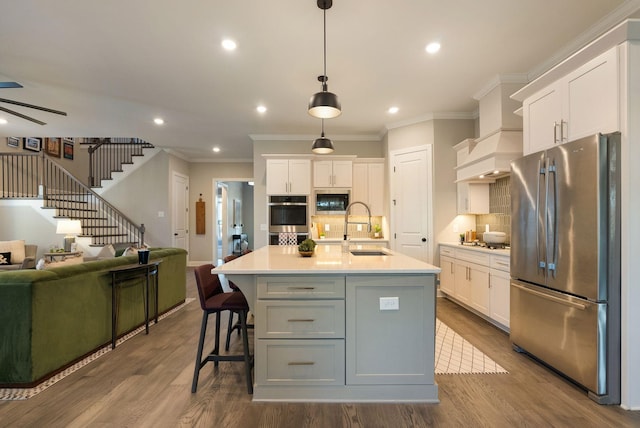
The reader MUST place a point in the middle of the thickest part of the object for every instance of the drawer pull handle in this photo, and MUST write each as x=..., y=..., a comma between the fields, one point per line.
x=301, y=320
x=301, y=363
x=302, y=288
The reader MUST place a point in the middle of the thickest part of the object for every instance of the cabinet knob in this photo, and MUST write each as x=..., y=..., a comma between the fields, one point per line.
x=424, y=239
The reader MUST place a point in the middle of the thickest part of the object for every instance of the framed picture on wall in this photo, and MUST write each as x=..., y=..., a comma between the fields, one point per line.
x=13, y=141
x=67, y=150
x=52, y=147
x=31, y=143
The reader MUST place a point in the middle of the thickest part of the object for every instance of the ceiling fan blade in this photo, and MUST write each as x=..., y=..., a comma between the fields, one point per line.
x=18, y=103
x=10, y=85
x=15, y=113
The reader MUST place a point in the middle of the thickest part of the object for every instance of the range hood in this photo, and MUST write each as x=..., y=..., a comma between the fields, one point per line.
x=490, y=158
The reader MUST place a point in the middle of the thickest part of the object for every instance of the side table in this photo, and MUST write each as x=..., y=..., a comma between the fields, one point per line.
x=63, y=254
x=125, y=273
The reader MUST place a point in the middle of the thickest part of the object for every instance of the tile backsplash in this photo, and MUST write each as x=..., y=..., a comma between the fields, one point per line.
x=499, y=207
x=335, y=224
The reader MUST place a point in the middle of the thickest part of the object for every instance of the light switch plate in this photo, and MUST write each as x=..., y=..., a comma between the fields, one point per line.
x=389, y=303
x=327, y=228
x=359, y=228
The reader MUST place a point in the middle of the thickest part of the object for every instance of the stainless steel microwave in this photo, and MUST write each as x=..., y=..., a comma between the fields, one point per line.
x=331, y=201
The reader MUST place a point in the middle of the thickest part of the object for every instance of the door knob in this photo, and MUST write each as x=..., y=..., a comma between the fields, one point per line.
x=175, y=234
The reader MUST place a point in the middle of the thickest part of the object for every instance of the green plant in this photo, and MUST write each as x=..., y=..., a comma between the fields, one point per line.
x=307, y=245
x=377, y=228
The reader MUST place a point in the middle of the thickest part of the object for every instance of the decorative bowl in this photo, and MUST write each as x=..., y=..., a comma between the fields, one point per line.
x=306, y=253
x=494, y=237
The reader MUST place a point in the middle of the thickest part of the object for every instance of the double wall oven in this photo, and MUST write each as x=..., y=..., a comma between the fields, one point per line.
x=288, y=218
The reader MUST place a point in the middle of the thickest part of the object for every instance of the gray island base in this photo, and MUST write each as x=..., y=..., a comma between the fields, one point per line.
x=339, y=327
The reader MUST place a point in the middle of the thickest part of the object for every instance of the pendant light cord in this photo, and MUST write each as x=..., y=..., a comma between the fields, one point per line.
x=324, y=30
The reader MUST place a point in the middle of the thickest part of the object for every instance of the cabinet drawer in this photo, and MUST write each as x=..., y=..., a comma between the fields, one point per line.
x=473, y=257
x=301, y=287
x=500, y=263
x=300, y=362
x=300, y=319
x=447, y=251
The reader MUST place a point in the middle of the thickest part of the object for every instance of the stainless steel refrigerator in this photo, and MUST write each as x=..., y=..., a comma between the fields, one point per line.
x=565, y=261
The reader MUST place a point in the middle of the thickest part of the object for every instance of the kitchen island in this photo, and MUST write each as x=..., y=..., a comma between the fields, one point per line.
x=340, y=326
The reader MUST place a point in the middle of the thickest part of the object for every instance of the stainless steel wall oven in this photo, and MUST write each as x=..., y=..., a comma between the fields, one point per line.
x=288, y=214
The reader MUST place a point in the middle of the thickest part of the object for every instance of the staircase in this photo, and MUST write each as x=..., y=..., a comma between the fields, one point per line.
x=37, y=176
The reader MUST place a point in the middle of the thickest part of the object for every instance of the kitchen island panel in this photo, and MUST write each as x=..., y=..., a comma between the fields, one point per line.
x=386, y=345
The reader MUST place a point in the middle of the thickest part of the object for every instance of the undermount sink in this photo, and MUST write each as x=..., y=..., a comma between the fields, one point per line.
x=369, y=253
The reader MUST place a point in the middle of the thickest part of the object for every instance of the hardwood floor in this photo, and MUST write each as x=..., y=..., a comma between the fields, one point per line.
x=146, y=382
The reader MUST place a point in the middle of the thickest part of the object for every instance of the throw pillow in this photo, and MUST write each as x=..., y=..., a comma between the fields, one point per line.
x=16, y=248
x=5, y=258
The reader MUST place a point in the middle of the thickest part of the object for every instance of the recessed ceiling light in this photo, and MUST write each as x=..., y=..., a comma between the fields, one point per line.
x=216, y=149
x=261, y=109
x=3, y=121
x=433, y=47
x=496, y=172
x=482, y=176
x=393, y=110
x=229, y=44
x=158, y=121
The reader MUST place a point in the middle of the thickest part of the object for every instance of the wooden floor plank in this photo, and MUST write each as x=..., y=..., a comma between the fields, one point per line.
x=146, y=382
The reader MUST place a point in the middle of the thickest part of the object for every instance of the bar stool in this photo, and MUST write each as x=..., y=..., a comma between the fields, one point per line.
x=233, y=287
x=213, y=300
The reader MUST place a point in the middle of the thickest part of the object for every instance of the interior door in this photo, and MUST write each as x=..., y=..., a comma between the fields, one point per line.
x=180, y=211
x=411, y=202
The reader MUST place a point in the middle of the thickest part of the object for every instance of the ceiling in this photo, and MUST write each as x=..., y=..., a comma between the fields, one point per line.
x=116, y=65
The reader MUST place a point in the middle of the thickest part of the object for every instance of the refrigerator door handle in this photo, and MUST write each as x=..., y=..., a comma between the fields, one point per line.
x=541, y=169
x=553, y=260
x=549, y=297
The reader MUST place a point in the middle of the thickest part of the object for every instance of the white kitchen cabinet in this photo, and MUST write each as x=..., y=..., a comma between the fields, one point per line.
x=332, y=173
x=478, y=279
x=473, y=198
x=582, y=103
x=472, y=285
x=368, y=187
x=288, y=176
x=447, y=275
x=499, y=282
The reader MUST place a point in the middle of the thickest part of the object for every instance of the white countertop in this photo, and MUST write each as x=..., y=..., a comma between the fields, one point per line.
x=327, y=259
x=497, y=252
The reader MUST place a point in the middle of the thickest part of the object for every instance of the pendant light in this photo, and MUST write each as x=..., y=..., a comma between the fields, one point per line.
x=324, y=104
x=322, y=145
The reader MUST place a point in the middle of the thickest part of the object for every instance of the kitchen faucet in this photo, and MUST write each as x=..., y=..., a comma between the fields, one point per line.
x=346, y=217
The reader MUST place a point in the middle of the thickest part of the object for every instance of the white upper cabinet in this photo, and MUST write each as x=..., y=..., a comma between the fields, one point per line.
x=582, y=103
x=368, y=187
x=288, y=176
x=473, y=198
x=332, y=173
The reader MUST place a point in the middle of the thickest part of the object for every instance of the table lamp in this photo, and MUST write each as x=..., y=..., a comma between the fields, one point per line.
x=69, y=228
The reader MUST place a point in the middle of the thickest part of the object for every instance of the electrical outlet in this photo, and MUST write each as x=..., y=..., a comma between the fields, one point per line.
x=389, y=303
x=327, y=228
x=456, y=228
x=359, y=228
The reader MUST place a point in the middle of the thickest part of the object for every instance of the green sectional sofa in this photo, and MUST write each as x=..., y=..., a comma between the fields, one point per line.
x=52, y=318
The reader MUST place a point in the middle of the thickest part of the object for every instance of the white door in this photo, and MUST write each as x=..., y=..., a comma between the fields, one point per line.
x=180, y=211
x=411, y=190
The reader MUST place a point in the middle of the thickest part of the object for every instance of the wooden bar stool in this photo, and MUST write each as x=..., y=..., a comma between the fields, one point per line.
x=213, y=300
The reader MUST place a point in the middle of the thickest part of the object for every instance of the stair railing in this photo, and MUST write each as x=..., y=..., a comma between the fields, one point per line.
x=107, y=155
x=25, y=175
